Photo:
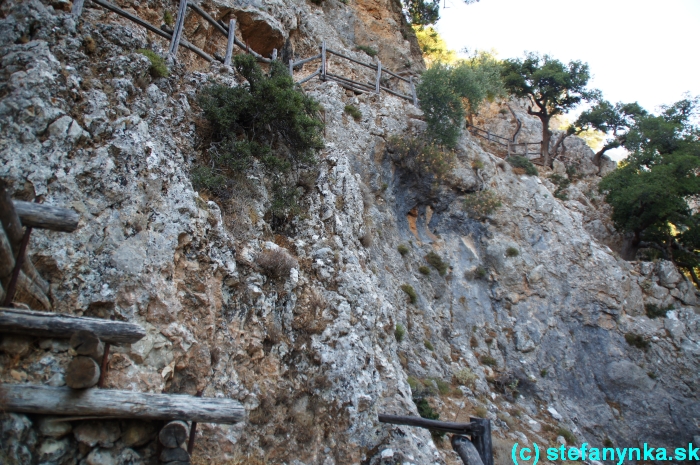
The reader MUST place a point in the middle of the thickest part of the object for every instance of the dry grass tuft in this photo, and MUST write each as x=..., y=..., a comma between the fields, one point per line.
x=276, y=263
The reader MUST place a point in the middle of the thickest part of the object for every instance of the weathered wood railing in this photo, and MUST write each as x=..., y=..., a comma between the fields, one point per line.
x=477, y=451
x=511, y=146
x=356, y=86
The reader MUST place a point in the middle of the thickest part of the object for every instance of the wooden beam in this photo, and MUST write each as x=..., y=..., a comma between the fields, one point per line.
x=466, y=450
x=305, y=60
x=398, y=94
x=49, y=400
x=229, y=44
x=367, y=65
x=482, y=439
x=177, y=33
x=413, y=91
x=323, y=60
x=378, y=82
x=448, y=427
x=309, y=77
x=56, y=325
x=366, y=87
x=37, y=215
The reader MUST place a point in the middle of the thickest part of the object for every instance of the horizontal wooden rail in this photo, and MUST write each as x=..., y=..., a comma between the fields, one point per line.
x=367, y=65
x=48, y=400
x=309, y=77
x=447, y=427
x=56, y=325
x=152, y=28
x=350, y=81
x=37, y=215
x=306, y=60
x=351, y=87
x=398, y=94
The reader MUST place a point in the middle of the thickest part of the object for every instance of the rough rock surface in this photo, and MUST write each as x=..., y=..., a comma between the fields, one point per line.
x=538, y=335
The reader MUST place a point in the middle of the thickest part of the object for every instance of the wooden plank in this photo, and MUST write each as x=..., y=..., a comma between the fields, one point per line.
x=396, y=75
x=306, y=60
x=37, y=215
x=77, y=8
x=350, y=87
x=466, y=450
x=413, y=92
x=309, y=77
x=179, y=26
x=448, y=427
x=323, y=61
x=229, y=44
x=377, y=84
x=56, y=325
x=482, y=440
x=351, y=82
x=352, y=59
x=152, y=28
x=398, y=94
x=48, y=400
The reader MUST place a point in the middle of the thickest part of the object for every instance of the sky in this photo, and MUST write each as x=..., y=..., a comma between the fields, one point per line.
x=637, y=50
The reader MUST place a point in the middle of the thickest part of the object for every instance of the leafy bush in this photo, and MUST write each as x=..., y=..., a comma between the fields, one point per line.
x=354, y=112
x=637, y=341
x=268, y=111
x=488, y=360
x=367, y=49
x=654, y=311
x=568, y=435
x=480, y=272
x=562, y=183
x=204, y=177
x=478, y=165
x=425, y=410
x=517, y=161
x=158, y=68
x=168, y=18
x=465, y=377
x=443, y=386
x=408, y=289
x=399, y=332
x=403, y=249
x=428, y=345
x=482, y=203
x=436, y=261
x=512, y=252
x=424, y=270
x=276, y=263
x=421, y=157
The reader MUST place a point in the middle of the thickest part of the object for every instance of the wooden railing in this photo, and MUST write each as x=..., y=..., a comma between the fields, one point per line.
x=512, y=148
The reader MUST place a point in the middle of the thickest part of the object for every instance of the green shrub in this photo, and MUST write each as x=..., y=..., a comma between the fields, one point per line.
x=413, y=383
x=512, y=252
x=168, y=18
x=654, y=311
x=562, y=183
x=424, y=270
x=408, y=289
x=421, y=157
x=482, y=203
x=652, y=375
x=480, y=272
x=354, y=112
x=285, y=201
x=367, y=49
x=465, y=377
x=436, y=261
x=399, y=332
x=158, y=68
x=443, y=386
x=425, y=410
x=488, y=361
x=478, y=165
x=204, y=177
x=607, y=442
x=637, y=341
x=403, y=249
x=568, y=435
x=543, y=372
x=517, y=161
x=428, y=345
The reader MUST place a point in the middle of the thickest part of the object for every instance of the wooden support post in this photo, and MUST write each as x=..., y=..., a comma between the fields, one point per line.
x=482, y=440
x=87, y=343
x=82, y=372
x=46, y=324
x=323, y=60
x=413, y=91
x=77, y=9
x=193, y=431
x=177, y=33
x=466, y=450
x=48, y=400
x=379, y=76
x=274, y=54
x=12, y=287
x=103, y=371
x=173, y=434
x=231, y=40
x=291, y=66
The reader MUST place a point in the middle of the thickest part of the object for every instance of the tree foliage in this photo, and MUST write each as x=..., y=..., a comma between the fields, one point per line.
x=551, y=86
x=650, y=192
x=448, y=93
x=425, y=12
x=433, y=47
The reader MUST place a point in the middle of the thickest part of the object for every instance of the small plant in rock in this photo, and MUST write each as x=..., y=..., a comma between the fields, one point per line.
x=403, y=249
x=353, y=111
x=488, y=361
x=478, y=165
x=204, y=177
x=443, y=386
x=399, y=332
x=543, y=372
x=422, y=158
x=562, y=183
x=276, y=263
x=90, y=45
x=607, y=442
x=512, y=252
x=366, y=240
x=436, y=261
x=425, y=410
x=159, y=68
x=465, y=377
x=517, y=161
x=424, y=270
x=428, y=345
x=367, y=49
x=168, y=18
x=481, y=412
x=635, y=340
x=408, y=289
x=568, y=435
x=654, y=311
x=480, y=272
x=482, y=203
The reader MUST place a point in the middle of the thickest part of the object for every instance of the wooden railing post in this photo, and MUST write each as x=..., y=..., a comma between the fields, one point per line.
x=323, y=60
x=77, y=9
x=229, y=44
x=274, y=54
x=379, y=76
x=413, y=91
x=482, y=440
x=291, y=66
x=177, y=33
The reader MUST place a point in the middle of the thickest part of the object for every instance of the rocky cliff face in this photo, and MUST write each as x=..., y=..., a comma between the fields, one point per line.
x=529, y=326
